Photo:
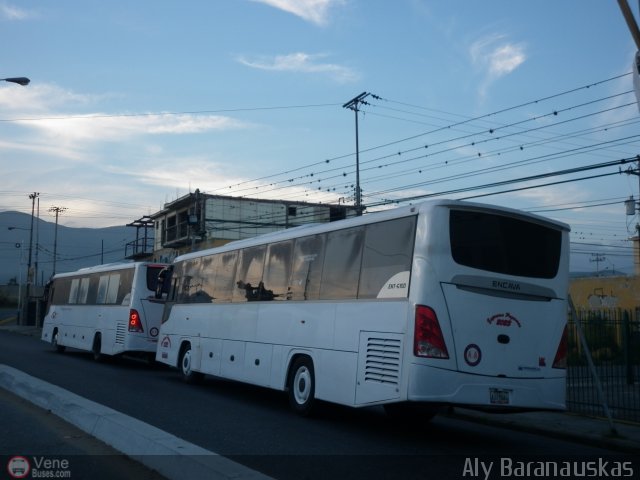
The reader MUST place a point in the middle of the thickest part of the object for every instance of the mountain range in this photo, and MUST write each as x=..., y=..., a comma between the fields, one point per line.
x=76, y=247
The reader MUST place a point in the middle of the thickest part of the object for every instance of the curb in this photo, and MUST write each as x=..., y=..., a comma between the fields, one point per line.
x=167, y=454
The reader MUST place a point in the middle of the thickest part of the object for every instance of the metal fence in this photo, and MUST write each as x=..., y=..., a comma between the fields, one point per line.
x=613, y=340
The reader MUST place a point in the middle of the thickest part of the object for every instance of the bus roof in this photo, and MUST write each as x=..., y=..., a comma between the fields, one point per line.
x=380, y=216
x=107, y=267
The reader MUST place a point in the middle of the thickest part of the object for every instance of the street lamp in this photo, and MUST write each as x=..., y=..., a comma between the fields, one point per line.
x=24, y=81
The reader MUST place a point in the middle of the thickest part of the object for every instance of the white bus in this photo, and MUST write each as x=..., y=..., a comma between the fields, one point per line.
x=107, y=309
x=444, y=302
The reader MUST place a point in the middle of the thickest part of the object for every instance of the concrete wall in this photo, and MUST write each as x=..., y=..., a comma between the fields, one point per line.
x=606, y=292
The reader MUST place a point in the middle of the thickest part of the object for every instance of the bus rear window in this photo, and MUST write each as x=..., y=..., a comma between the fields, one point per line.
x=503, y=244
x=152, y=277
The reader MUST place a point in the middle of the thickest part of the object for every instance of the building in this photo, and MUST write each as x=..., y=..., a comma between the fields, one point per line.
x=199, y=220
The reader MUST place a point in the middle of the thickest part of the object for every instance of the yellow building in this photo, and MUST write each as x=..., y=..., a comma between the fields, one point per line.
x=606, y=292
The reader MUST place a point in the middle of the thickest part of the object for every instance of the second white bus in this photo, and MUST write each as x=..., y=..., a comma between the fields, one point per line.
x=107, y=309
x=445, y=302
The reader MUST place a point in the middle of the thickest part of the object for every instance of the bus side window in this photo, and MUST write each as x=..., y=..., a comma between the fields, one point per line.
x=306, y=271
x=276, y=271
x=388, y=250
x=341, y=271
x=249, y=274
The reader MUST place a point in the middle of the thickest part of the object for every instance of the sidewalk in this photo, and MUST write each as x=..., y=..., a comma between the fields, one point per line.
x=563, y=425
x=10, y=324
x=569, y=426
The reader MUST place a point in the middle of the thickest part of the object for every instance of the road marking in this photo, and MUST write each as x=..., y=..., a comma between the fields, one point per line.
x=169, y=455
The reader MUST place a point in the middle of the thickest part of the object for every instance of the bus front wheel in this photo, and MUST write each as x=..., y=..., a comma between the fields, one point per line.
x=97, y=348
x=302, y=386
x=186, y=358
x=54, y=342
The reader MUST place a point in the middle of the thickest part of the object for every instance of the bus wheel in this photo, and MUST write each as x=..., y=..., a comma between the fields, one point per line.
x=302, y=386
x=185, y=364
x=97, y=348
x=54, y=343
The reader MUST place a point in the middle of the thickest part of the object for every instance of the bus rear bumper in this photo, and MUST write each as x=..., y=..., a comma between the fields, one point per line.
x=429, y=384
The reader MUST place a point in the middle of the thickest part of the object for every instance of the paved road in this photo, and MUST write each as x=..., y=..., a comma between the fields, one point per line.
x=28, y=431
x=254, y=426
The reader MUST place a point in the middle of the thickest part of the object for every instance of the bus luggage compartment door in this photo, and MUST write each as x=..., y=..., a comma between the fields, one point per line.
x=504, y=336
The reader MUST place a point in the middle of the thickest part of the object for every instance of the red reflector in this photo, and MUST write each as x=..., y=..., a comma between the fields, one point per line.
x=560, y=360
x=428, y=340
x=135, y=324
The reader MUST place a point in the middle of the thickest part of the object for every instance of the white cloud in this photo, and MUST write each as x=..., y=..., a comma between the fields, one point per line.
x=97, y=127
x=10, y=12
x=47, y=115
x=302, y=62
x=495, y=56
x=314, y=11
x=41, y=99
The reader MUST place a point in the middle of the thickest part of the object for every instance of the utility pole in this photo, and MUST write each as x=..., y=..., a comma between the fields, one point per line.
x=597, y=258
x=353, y=105
x=632, y=207
x=58, y=211
x=25, y=319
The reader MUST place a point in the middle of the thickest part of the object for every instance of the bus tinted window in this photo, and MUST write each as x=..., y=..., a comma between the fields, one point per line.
x=83, y=291
x=152, y=277
x=388, y=250
x=249, y=286
x=73, y=291
x=60, y=294
x=306, y=274
x=342, y=264
x=225, y=276
x=190, y=288
x=277, y=269
x=502, y=244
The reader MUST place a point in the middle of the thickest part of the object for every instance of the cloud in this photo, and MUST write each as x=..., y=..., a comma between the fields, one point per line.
x=9, y=12
x=45, y=121
x=41, y=99
x=314, y=11
x=495, y=56
x=97, y=127
x=303, y=63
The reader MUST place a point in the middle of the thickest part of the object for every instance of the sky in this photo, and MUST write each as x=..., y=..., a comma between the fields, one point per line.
x=134, y=104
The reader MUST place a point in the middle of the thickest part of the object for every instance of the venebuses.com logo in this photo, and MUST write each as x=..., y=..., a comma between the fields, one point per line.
x=19, y=466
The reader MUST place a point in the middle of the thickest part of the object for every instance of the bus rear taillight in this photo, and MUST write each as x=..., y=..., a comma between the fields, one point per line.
x=428, y=341
x=135, y=324
x=560, y=360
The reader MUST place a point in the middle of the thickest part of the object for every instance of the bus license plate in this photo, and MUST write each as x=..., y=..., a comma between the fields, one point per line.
x=498, y=396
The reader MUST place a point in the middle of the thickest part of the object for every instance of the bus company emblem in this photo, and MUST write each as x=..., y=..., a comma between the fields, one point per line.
x=504, y=320
x=166, y=342
x=472, y=355
x=153, y=332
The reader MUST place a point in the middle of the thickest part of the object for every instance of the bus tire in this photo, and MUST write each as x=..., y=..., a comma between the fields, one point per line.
x=185, y=363
x=54, y=342
x=301, y=386
x=97, y=348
